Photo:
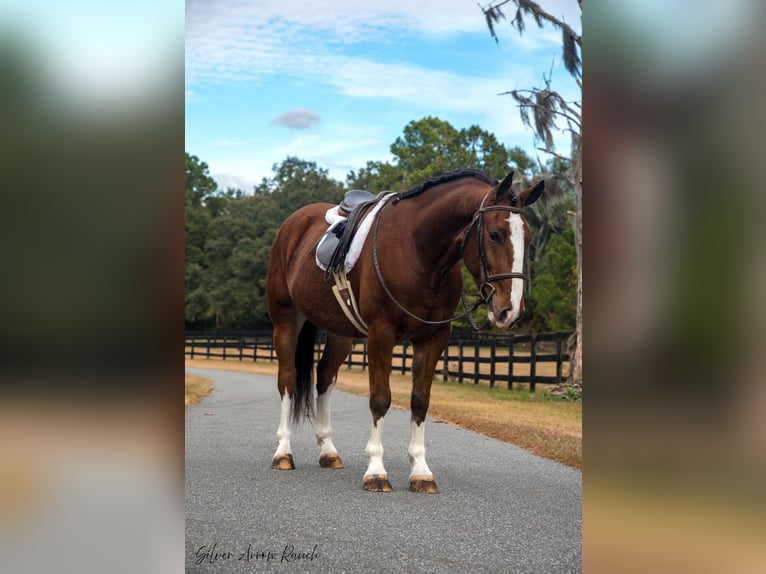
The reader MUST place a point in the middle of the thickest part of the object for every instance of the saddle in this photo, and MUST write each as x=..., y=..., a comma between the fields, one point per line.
x=332, y=247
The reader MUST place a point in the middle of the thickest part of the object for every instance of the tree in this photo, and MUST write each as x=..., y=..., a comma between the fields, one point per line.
x=539, y=109
x=430, y=146
x=377, y=176
x=551, y=300
x=200, y=188
x=297, y=182
x=199, y=185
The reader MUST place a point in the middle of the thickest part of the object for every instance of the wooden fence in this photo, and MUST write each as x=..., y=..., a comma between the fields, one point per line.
x=492, y=359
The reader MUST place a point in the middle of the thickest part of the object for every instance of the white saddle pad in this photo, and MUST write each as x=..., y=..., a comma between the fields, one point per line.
x=357, y=243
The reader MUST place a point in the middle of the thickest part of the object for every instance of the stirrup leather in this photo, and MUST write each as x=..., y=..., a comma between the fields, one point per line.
x=345, y=296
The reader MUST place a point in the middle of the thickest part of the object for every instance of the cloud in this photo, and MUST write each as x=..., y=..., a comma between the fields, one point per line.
x=238, y=41
x=298, y=119
x=227, y=180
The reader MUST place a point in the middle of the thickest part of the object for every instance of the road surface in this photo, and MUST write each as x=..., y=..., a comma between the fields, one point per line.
x=500, y=509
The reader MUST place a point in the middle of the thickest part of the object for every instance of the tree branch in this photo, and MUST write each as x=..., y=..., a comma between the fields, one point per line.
x=528, y=5
x=558, y=113
x=553, y=153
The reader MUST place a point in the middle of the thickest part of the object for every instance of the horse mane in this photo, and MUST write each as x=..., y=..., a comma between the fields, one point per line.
x=445, y=178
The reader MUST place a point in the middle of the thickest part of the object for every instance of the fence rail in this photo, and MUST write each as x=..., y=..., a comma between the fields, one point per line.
x=497, y=360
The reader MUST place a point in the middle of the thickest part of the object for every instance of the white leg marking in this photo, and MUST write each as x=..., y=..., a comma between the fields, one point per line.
x=283, y=433
x=516, y=224
x=323, y=427
x=417, y=450
x=374, y=450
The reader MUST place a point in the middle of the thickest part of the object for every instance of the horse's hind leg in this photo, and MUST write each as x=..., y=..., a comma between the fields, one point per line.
x=285, y=344
x=335, y=351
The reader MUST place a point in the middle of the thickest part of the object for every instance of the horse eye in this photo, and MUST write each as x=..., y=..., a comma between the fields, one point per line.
x=494, y=237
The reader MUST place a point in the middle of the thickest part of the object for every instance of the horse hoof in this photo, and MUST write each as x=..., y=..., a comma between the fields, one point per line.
x=283, y=462
x=377, y=483
x=330, y=461
x=424, y=484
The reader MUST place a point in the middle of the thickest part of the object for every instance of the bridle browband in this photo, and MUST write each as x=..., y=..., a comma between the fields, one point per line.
x=487, y=279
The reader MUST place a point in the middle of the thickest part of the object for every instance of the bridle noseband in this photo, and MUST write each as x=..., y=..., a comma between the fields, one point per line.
x=487, y=279
x=478, y=224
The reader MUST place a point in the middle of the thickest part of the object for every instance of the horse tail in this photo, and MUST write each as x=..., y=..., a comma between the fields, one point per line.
x=303, y=397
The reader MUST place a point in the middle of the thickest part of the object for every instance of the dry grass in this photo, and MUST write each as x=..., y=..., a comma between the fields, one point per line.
x=196, y=388
x=546, y=427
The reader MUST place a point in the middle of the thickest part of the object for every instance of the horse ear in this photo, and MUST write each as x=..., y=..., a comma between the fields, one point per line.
x=530, y=195
x=503, y=187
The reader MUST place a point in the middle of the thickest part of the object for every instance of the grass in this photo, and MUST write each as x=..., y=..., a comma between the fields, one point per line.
x=547, y=426
x=195, y=388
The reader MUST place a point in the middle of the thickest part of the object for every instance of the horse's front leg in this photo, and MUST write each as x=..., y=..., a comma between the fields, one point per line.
x=425, y=358
x=380, y=346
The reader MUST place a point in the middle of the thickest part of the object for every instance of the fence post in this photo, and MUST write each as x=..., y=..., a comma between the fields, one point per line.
x=192, y=348
x=532, y=363
x=207, y=356
x=476, y=361
x=510, y=363
x=492, y=363
x=460, y=360
x=445, y=356
x=404, y=357
x=558, y=356
x=241, y=347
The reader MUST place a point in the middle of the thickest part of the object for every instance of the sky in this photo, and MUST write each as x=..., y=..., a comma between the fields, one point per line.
x=335, y=83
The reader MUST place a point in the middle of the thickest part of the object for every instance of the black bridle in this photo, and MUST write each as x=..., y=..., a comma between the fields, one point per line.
x=478, y=224
x=486, y=279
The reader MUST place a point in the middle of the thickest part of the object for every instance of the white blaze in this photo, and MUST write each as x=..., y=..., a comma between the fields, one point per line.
x=516, y=224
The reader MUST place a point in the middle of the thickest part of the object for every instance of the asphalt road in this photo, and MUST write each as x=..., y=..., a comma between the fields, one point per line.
x=500, y=509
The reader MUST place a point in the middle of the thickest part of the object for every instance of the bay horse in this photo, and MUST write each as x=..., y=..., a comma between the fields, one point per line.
x=407, y=282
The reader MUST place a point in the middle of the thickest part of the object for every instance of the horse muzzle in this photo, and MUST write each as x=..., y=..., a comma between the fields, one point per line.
x=503, y=319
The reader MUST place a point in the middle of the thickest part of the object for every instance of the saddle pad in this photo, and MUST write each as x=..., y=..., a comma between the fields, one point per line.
x=357, y=243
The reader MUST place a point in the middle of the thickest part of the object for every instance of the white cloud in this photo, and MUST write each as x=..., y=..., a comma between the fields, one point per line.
x=298, y=119
x=236, y=41
x=227, y=180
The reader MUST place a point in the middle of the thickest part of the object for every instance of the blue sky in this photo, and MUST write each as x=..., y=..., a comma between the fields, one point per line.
x=336, y=82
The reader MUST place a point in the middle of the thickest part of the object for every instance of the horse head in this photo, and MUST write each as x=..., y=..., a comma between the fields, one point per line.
x=494, y=247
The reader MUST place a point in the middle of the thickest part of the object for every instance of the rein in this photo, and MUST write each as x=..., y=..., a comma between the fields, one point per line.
x=478, y=223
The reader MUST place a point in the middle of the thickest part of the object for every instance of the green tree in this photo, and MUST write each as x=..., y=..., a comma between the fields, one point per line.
x=238, y=250
x=199, y=185
x=377, y=176
x=521, y=162
x=297, y=182
x=430, y=146
x=200, y=188
x=551, y=301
